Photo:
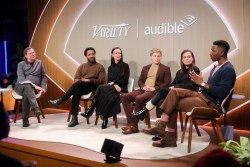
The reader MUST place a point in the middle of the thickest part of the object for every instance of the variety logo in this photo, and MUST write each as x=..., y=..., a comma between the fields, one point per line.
x=110, y=31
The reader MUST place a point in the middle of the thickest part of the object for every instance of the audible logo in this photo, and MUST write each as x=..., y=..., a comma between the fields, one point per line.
x=168, y=28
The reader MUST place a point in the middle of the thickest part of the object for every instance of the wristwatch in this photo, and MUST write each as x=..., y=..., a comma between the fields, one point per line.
x=203, y=84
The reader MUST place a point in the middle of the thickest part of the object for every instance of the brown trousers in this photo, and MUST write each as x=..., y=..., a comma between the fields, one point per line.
x=184, y=100
x=140, y=97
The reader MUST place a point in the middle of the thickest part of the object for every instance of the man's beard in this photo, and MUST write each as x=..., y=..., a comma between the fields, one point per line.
x=91, y=60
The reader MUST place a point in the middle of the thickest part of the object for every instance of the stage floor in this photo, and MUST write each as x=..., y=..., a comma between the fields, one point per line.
x=83, y=153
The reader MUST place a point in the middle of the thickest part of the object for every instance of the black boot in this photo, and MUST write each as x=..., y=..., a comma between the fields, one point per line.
x=74, y=121
x=142, y=113
x=105, y=123
x=55, y=103
x=91, y=109
x=26, y=123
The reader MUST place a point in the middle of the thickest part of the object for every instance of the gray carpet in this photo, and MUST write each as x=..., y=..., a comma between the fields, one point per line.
x=136, y=146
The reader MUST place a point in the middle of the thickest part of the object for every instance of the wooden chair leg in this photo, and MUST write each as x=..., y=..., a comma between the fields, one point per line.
x=40, y=107
x=215, y=131
x=16, y=108
x=218, y=132
x=184, y=129
x=176, y=131
x=148, y=120
x=11, y=115
x=190, y=135
x=181, y=120
x=196, y=128
x=69, y=115
x=96, y=119
x=115, y=120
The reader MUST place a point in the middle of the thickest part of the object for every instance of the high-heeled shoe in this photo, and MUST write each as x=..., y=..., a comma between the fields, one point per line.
x=91, y=109
x=104, y=123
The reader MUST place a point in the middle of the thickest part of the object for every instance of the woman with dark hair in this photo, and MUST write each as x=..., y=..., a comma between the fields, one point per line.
x=181, y=80
x=107, y=96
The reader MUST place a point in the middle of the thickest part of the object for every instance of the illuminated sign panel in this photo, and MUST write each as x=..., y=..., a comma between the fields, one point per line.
x=121, y=30
x=137, y=27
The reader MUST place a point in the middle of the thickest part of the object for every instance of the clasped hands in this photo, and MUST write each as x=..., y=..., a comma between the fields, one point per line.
x=118, y=88
x=39, y=89
x=148, y=88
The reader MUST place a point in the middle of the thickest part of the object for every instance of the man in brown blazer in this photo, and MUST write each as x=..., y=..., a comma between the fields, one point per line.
x=153, y=77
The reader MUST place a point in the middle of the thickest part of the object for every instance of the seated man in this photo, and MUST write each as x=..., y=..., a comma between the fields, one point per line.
x=220, y=82
x=87, y=78
x=153, y=77
x=31, y=79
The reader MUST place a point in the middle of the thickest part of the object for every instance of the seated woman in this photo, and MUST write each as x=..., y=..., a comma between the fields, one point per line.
x=181, y=80
x=107, y=96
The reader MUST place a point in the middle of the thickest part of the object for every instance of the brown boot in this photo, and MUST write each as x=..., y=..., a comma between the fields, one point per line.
x=124, y=128
x=158, y=129
x=168, y=141
x=133, y=128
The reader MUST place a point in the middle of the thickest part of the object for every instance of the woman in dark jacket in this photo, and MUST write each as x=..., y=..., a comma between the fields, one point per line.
x=107, y=97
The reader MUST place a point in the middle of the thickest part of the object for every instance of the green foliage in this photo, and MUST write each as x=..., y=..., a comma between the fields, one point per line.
x=240, y=151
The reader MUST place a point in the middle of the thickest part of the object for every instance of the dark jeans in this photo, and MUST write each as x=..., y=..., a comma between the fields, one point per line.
x=158, y=99
x=78, y=89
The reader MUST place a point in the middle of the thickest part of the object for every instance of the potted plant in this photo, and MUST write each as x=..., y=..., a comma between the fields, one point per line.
x=241, y=151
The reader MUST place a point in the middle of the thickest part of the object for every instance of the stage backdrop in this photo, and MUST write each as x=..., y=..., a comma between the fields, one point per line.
x=61, y=30
x=136, y=27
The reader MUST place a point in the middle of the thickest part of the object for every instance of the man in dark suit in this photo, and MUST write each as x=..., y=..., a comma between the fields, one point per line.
x=153, y=77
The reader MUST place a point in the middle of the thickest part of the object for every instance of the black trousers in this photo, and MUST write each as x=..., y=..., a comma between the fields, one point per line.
x=76, y=90
x=158, y=99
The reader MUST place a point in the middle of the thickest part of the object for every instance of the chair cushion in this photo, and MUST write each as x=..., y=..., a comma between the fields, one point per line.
x=203, y=112
x=19, y=97
x=87, y=96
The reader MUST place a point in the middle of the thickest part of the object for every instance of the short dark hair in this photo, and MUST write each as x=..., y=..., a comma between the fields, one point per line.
x=87, y=49
x=223, y=44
